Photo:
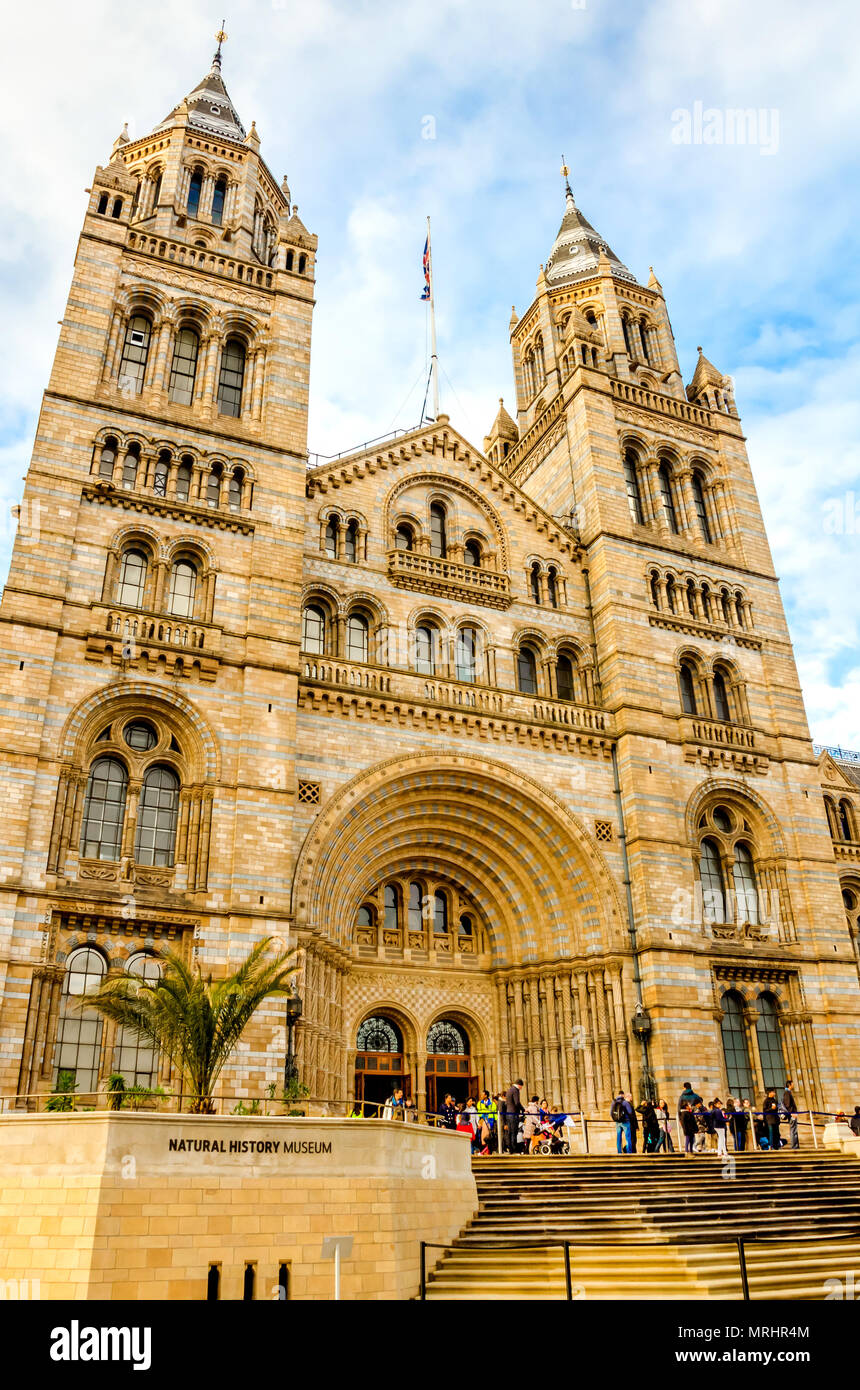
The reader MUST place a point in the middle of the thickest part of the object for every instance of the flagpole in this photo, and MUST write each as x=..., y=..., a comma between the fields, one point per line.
x=434, y=360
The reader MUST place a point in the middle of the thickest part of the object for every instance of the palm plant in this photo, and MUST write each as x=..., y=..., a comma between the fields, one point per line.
x=195, y=1022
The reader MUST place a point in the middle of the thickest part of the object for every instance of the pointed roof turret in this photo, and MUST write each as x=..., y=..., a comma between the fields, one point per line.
x=503, y=433
x=209, y=106
x=577, y=248
x=704, y=376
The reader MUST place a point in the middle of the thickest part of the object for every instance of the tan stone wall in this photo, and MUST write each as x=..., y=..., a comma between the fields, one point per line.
x=97, y=1206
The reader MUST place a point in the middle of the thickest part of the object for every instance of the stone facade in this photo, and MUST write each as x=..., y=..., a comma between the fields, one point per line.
x=488, y=735
x=142, y=1206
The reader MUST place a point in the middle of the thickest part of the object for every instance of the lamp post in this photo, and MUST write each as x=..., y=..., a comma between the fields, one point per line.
x=294, y=1013
x=641, y=1026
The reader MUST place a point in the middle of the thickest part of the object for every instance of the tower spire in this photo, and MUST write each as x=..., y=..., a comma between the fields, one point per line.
x=221, y=37
x=565, y=173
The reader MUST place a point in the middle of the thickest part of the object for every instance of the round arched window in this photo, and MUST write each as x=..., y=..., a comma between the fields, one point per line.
x=447, y=1037
x=140, y=735
x=378, y=1035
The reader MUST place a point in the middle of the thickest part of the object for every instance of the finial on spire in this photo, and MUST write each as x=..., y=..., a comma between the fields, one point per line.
x=565, y=173
x=221, y=37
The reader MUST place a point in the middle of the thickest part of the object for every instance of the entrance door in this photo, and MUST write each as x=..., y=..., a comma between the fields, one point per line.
x=452, y=1074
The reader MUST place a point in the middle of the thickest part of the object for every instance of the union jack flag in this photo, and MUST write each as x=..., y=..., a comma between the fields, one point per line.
x=426, y=294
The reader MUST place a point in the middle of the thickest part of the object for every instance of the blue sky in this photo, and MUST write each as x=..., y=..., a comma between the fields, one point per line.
x=756, y=250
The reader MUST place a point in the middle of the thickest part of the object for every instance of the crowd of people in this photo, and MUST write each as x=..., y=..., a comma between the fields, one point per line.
x=511, y=1123
x=706, y=1126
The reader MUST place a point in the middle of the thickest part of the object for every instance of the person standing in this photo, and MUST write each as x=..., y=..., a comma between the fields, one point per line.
x=688, y=1127
x=854, y=1122
x=687, y=1097
x=487, y=1113
x=665, y=1143
x=650, y=1127
x=619, y=1115
x=770, y=1115
x=789, y=1105
x=718, y=1120
x=631, y=1123
x=410, y=1113
x=449, y=1113
x=513, y=1109
x=703, y=1128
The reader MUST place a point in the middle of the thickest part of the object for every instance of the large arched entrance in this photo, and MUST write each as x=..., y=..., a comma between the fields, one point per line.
x=450, y=1068
x=379, y=1064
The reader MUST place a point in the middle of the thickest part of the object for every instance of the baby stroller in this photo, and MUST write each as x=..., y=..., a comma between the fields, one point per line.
x=552, y=1141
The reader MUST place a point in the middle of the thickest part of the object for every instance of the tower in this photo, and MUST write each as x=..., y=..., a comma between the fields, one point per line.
x=735, y=911
x=150, y=619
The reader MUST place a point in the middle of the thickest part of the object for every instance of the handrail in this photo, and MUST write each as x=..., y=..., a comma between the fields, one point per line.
x=426, y=1245
x=323, y=459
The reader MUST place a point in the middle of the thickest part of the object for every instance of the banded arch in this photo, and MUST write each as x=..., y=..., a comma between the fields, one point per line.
x=512, y=846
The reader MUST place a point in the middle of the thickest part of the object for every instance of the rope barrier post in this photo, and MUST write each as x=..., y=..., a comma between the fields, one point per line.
x=568, y=1282
x=584, y=1123
x=422, y=1287
x=742, y=1259
x=814, y=1133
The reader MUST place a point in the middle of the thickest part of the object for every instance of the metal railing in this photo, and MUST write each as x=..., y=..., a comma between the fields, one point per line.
x=426, y=1245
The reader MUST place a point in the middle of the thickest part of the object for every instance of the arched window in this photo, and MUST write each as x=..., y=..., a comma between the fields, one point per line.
x=643, y=338
x=183, y=481
x=552, y=586
x=467, y=926
x=351, y=541
x=743, y=875
x=365, y=916
x=313, y=630
x=135, y=1058
x=534, y=581
x=356, y=637
x=654, y=585
x=425, y=650
x=232, y=377
x=713, y=887
x=157, y=816
x=691, y=598
x=724, y=607
x=438, y=538
x=564, y=678
x=184, y=368
x=738, y=1072
x=130, y=465
x=404, y=538
x=447, y=1038
x=140, y=735
x=628, y=339
x=104, y=810
x=526, y=671
x=162, y=473
x=234, y=491
x=665, y=475
x=156, y=194
x=135, y=350
x=844, y=819
x=670, y=594
x=701, y=507
x=103, y=203
x=195, y=187
x=472, y=554
x=117, y=208
x=79, y=1033
x=183, y=585
x=107, y=458
x=631, y=480
x=722, y=707
x=378, y=1035
x=440, y=912
x=688, y=689
x=391, y=903
x=219, y=197
x=290, y=257
x=467, y=654
x=416, y=908
x=213, y=487
x=303, y=263
x=769, y=1042
x=331, y=534
x=132, y=579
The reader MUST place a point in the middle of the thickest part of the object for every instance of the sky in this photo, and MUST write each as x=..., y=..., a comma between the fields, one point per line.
x=386, y=111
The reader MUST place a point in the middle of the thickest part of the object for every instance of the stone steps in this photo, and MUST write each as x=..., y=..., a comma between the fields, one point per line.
x=652, y=1227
